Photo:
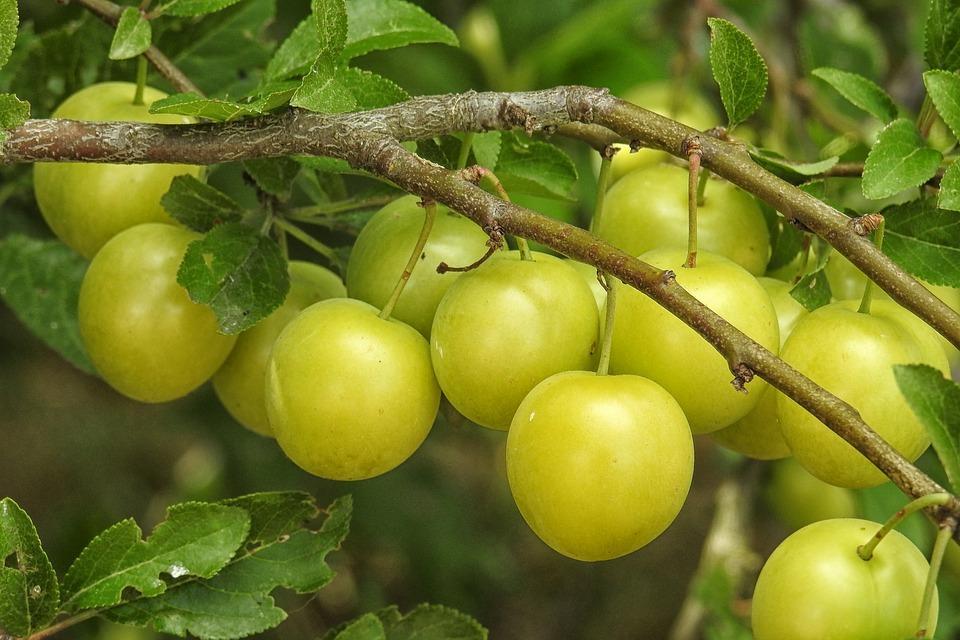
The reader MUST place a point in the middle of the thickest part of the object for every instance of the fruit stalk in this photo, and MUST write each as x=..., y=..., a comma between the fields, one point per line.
x=694, y=153
x=430, y=214
x=611, y=311
x=868, y=289
x=141, y=80
x=933, y=500
x=927, y=617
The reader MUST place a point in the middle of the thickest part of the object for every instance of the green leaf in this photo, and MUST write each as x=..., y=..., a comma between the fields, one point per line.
x=371, y=91
x=194, y=7
x=386, y=24
x=197, y=205
x=535, y=168
x=275, y=514
x=860, y=92
x=29, y=594
x=936, y=402
x=295, y=54
x=40, y=281
x=486, y=148
x=738, y=69
x=436, y=622
x=787, y=246
x=794, y=172
x=366, y=627
x=9, y=21
x=241, y=274
x=191, y=104
x=133, y=35
x=13, y=111
x=330, y=18
x=813, y=290
x=196, y=539
x=273, y=175
x=924, y=240
x=322, y=91
x=942, y=35
x=237, y=601
x=944, y=90
x=949, y=197
x=898, y=160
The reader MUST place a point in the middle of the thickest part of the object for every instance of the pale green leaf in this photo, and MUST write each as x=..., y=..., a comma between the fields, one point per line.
x=197, y=205
x=322, y=91
x=29, y=593
x=936, y=402
x=191, y=104
x=486, y=148
x=273, y=175
x=949, y=197
x=387, y=24
x=237, y=602
x=194, y=7
x=371, y=91
x=944, y=90
x=925, y=241
x=330, y=18
x=860, y=92
x=196, y=539
x=40, y=282
x=13, y=111
x=898, y=160
x=794, y=172
x=241, y=274
x=132, y=37
x=9, y=21
x=738, y=69
x=535, y=168
x=942, y=35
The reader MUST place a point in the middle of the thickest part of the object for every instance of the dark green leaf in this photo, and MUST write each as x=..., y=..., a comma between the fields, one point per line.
x=786, y=247
x=436, y=622
x=371, y=91
x=944, y=90
x=486, y=148
x=274, y=95
x=795, y=172
x=322, y=91
x=40, y=281
x=813, y=290
x=949, y=197
x=29, y=594
x=936, y=401
x=738, y=69
x=535, y=168
x=240, y=273
x=942, y=35
x=860, y=92
x=196, y=539
x=13, y=111
x=431, y=150
x=194, y=7
x=295, y=54
x=273, y=175
x=9, y=21
x=133, y=35
x=327, y=165
x=275, y=514
x=366, y=627
x=925, y=241
x=237, y=601
x=387, y=24
x=330, y=18
x=197, y=205
x=898, y=160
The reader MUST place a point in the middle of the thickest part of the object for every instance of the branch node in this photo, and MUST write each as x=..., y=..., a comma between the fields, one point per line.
x=635, y=145
x=720, y=133
x=866, y=224
x=691, y=146
x=609, y=151
x=516, y=116
x=668, y=276
x=742, y=375
x=473, y=174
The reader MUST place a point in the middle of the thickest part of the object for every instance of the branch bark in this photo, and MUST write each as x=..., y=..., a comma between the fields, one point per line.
x=371, y=140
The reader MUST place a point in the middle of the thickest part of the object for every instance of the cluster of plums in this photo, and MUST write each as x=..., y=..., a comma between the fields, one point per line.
x=599, y=465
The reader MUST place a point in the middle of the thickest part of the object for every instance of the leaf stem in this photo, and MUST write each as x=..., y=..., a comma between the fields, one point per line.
x=927, y=617
x=141, y=80
x=926, y=117
x=430, y=213
x=306, y=238
x=868, y=289
x=465, y=146
x=63, y=624
x=930, y=500
x=611, y=309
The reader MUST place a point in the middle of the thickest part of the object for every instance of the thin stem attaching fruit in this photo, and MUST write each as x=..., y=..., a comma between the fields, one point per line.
x=430, y=213
x=694, y=154
x=927, y=617
x=611, y=309
x=603, y=182
x=141, y=80
x=931, y=500
x=305, y=238
x=868, y=289
x=465, y=149
x=702, y=186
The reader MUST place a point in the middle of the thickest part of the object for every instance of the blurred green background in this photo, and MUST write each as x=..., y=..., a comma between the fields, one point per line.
x=442, y=528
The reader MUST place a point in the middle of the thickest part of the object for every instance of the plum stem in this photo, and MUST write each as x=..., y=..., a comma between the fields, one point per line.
x=930, y=500
x=603, y=183
x=694, y=153
x=927, y=617
x=141, y=81
x=603, y=366
x=868, y=289
x=430, y=213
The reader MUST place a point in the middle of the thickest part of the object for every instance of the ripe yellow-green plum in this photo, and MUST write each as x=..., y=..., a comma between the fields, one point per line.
x=647, y=209
x=589, y=273
x=383, y=248
x=798, y=498
x=851, y=354
x=350, y=395
x=144, y=335
x=757, y=434
x=692, y=110
x=239, y=383
x=506, y=326
x=599, y=465
x=87, y=204
x=650, y=342
x=847, y=282
x=815, y=586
